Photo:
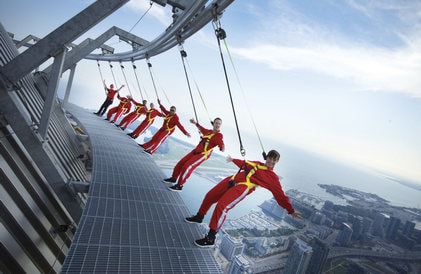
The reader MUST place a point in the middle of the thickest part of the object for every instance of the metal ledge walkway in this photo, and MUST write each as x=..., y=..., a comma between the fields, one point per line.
x=131, y=222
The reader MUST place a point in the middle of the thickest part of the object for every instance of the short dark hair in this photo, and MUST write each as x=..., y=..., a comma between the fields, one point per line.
x=217, y=118
x=274, y=155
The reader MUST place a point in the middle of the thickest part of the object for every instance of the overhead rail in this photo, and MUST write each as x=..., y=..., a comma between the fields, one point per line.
x=191, y=20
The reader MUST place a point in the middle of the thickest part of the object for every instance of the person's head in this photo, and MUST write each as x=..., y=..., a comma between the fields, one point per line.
x=144, y=102
x=151, y=105
x=112, y=86
x=172, y=110
x=216, y=123
x=272, y=158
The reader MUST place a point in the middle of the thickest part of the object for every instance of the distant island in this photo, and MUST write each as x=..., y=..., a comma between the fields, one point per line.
x=352, y=194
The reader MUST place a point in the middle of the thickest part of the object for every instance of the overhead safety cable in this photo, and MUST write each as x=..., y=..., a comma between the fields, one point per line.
x=100, y=73
x=247, y=106
x=141, y=17
x=153, y=81
x=220, y=35
x=125, y=79
x=152, y=78
x=137, y=80
x=112, y=72
x=197, y=87
x=183, y=55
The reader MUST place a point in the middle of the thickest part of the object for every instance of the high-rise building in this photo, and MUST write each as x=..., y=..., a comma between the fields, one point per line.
x=378, y=223
x=319, y=256
x=299, y=258
x=408, y=228
x=240, y=265
x=231, y=247
x=357, y=228
x=344, y=235
x=367, y=225
x=392, y=228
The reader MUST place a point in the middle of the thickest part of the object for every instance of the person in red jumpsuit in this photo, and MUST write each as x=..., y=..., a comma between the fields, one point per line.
x=171, y=121
x=110, y=92
x=147, y=122
x=209, y=140
x=140, y=108
x=122, y=108
x=232, y=190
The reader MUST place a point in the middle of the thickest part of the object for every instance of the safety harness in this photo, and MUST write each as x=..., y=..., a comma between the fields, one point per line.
x=206, y=139
x=249, y=173
x=139, y=109
x=149, y=113
x=167, y=121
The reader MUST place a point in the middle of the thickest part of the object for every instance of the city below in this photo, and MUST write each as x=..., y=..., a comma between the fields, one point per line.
x=367, y=236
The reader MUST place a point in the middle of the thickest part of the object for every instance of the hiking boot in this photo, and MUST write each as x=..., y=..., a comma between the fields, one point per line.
x=170, y=180
x=196, y=219
x=176, y=188
x=205, y=242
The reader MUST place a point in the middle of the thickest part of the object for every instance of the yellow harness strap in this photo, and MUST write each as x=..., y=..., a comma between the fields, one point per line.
x=167, y=121
x=206, y=152
x=149, y=115
x=138, y=109
x=248, y=183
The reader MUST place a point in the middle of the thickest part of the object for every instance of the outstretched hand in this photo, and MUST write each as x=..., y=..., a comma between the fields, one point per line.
x=229, y=159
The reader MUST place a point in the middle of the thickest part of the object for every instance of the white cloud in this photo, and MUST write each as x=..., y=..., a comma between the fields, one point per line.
x=371, y=68
x=290, y=40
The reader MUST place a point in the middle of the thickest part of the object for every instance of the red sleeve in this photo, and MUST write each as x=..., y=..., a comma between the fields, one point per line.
x=163, y=109
x=136, y=102
x=239, y=163
x=202, y=129
x=158, y=113
x=180, y=126
x=220, y=141
x=271, y=182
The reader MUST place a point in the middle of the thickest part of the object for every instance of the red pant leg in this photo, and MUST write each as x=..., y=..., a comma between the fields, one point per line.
x=118, y=114
x=213, y=195
x=157, y=140
x=189, y=166
x=226, y=202
x=111, y=112
x=126, y=119
x=141, y=128
x=132, y=118
x=179, y=166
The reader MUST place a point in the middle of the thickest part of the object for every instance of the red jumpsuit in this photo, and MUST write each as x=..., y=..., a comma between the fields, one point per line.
x=147, y=122
x=122, y=108
x=168, y=127
x=132, y=116
x=228, y=197
x=184, y=168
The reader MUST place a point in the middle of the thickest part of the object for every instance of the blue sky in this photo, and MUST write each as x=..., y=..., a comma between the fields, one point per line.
x=339, y=78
